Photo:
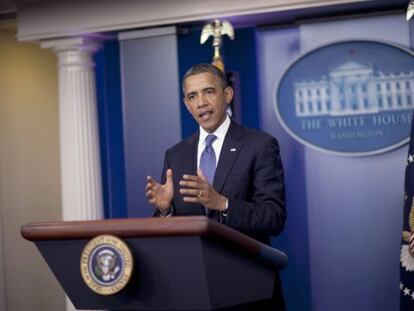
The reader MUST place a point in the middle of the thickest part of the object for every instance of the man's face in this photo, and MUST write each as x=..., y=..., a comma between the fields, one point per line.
x=206, y=100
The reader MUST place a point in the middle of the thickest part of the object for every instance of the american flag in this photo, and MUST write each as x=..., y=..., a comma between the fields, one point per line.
x=407, y=242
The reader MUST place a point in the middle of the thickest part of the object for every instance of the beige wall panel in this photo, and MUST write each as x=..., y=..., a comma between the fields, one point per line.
x=29, y=170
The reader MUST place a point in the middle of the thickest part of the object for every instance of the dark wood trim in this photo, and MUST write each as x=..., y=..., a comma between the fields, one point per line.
x=138, y=227
x=155, y=227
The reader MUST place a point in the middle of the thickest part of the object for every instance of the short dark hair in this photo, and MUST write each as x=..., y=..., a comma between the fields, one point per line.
x=203, y=68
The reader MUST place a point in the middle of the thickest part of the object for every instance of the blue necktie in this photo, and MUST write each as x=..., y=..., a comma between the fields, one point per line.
x=208, y=159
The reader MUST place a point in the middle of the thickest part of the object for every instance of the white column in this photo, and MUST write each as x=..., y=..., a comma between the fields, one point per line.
x=79, y=139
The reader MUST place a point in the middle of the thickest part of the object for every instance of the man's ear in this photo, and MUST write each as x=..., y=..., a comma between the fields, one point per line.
x=228, y=94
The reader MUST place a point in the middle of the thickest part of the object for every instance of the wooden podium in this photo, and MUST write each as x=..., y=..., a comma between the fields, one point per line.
x=180, y=263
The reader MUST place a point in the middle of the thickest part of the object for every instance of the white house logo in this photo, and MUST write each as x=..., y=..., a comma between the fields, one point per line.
x=349, y=98
x=106, y=264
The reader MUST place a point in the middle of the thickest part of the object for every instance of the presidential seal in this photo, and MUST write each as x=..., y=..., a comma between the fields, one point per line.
x=106, y=264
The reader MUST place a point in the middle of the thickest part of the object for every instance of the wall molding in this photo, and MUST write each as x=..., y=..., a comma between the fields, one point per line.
x=40, y=20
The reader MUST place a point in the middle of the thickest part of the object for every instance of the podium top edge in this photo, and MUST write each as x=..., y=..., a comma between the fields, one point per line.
x=152, y=227
x=123, y=228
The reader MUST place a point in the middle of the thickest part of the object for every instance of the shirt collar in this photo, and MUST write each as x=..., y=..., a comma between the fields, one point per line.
x=220, y=132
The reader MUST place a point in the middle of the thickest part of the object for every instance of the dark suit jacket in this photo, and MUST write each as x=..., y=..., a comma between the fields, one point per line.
x=249, y=173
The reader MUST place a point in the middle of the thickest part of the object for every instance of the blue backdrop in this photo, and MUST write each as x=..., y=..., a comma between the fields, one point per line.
x=344, y=214
x=351, y=206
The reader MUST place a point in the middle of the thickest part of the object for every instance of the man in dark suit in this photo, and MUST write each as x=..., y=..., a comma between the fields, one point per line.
x=224, y=171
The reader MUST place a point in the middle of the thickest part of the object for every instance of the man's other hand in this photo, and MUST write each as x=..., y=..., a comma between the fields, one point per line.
x=196, y=189
x=160, y=195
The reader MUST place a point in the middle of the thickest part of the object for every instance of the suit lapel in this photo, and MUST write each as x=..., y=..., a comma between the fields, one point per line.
x=231, y=147
x=189, y=166
x=189, y=155
x=229, y=152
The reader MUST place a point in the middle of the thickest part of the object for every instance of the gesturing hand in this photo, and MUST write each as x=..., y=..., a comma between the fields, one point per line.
x=196, y=189
x=160, y=195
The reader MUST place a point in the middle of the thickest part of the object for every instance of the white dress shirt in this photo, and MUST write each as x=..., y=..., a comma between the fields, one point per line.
x=220, y=133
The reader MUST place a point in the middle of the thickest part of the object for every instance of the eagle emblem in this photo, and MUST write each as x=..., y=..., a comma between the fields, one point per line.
x=106, y=266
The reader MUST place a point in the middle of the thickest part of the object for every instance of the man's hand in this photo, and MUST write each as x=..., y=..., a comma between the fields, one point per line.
x=160, y=195
x=196, y=189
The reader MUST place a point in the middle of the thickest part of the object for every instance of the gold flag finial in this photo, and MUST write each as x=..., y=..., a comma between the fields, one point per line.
x=217, y=29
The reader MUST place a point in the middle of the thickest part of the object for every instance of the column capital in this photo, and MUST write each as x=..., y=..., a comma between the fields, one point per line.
x=87, y=43
x=75, y=51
